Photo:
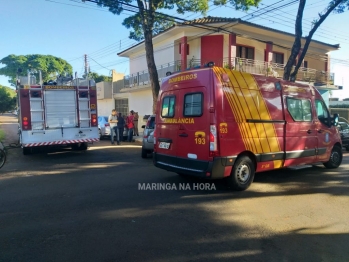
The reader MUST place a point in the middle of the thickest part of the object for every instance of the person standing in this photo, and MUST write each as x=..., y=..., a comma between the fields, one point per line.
x=135, y=121
x=120, y=128
x=130, y=126
x=113, y=120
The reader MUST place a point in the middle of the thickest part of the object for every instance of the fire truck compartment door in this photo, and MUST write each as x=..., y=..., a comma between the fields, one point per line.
x=60, y=108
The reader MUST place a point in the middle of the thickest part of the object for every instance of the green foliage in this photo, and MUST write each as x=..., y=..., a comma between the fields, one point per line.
x=9, y=90
x=150, y=17
x=7, y=102
x=242, y=5
x=341, y=7
x=135, y=22
x=49, y=65
x=99, y=78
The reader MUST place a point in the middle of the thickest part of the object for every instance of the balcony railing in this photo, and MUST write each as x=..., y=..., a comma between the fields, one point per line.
x=319, y=78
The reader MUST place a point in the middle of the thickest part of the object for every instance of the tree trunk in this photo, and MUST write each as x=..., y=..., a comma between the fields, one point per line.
x=309, y=37
x=297, y=41
x=147, y=17
x=153, y=73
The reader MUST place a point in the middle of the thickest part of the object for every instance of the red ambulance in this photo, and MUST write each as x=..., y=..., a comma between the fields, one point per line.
x=214, y=122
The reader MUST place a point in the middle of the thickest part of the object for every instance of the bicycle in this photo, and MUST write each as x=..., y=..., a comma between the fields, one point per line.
x=2, y=154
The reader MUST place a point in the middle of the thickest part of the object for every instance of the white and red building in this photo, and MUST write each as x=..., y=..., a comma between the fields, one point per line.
x=227, y=42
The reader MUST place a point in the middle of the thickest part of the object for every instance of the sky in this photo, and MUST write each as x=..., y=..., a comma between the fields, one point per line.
x=69, y=29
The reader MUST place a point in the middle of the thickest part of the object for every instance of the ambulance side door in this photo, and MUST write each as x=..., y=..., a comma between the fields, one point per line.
x=167, y=126
x=193, y=132
x=301, y=135
x=324, y=131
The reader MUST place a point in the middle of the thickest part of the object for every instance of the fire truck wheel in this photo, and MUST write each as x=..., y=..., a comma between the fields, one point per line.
x=242, y=174
x=335, y=158
x=83, y=146
x=26, y=151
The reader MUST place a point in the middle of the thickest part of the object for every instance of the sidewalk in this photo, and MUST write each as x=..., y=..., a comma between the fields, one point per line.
x=138, y=138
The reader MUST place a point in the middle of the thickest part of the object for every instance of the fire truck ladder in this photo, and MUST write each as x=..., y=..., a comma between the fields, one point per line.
x=36, y=98
x=84, y=106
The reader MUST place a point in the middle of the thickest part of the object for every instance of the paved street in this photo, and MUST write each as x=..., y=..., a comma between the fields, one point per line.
x=87, y=206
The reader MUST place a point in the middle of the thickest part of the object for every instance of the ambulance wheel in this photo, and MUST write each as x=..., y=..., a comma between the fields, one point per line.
x=242, y=174
x=335, y=158
x=26, y=150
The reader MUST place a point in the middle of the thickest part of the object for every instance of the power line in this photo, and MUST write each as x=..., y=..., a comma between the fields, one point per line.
x=214, y=29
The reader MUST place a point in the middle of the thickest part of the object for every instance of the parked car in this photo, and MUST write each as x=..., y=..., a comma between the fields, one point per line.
x=148, y=137
x=104, y=128
x=343, y=129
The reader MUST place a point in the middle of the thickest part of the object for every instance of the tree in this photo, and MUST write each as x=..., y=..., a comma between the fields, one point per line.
x=146, y=22
x=7, y=102
x=337, y=6
x=99, y=78
x=49, y=65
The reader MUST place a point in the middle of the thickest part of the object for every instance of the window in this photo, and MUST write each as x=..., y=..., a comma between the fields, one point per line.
x=121, y=106
x=245, y=52
x=168, y=106
x=278, y=58
x=193, y=104
x=299, y=109
x=321, y=111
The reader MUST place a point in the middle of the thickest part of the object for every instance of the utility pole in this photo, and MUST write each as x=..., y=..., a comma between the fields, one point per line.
x=86, y=66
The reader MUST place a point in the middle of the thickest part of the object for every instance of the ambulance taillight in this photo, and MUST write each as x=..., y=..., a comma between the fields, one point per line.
x=213, y=141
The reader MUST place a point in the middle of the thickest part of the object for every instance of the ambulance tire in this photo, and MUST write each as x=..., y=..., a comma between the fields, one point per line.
x=242, y=174
x=335, y=158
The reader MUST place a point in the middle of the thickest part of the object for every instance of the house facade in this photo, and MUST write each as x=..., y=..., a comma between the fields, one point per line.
x=227, y=42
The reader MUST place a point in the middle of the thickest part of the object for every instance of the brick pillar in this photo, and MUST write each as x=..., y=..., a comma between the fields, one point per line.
x=184, y=53
x=232, y=49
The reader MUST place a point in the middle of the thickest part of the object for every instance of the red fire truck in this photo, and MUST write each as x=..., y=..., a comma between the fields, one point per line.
x=220, y=123
x=56, y=113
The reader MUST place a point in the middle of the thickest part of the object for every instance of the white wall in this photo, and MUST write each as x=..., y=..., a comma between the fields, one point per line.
x=141, y=102
x=104, y=106
x=164, y=52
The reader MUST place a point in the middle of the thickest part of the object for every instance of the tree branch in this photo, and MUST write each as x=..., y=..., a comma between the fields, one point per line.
x=311, y=33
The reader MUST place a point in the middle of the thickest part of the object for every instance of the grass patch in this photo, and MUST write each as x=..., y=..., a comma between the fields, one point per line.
x=2, y=135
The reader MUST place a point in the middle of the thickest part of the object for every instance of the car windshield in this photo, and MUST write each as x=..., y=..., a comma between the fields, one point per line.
x=152, y=123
